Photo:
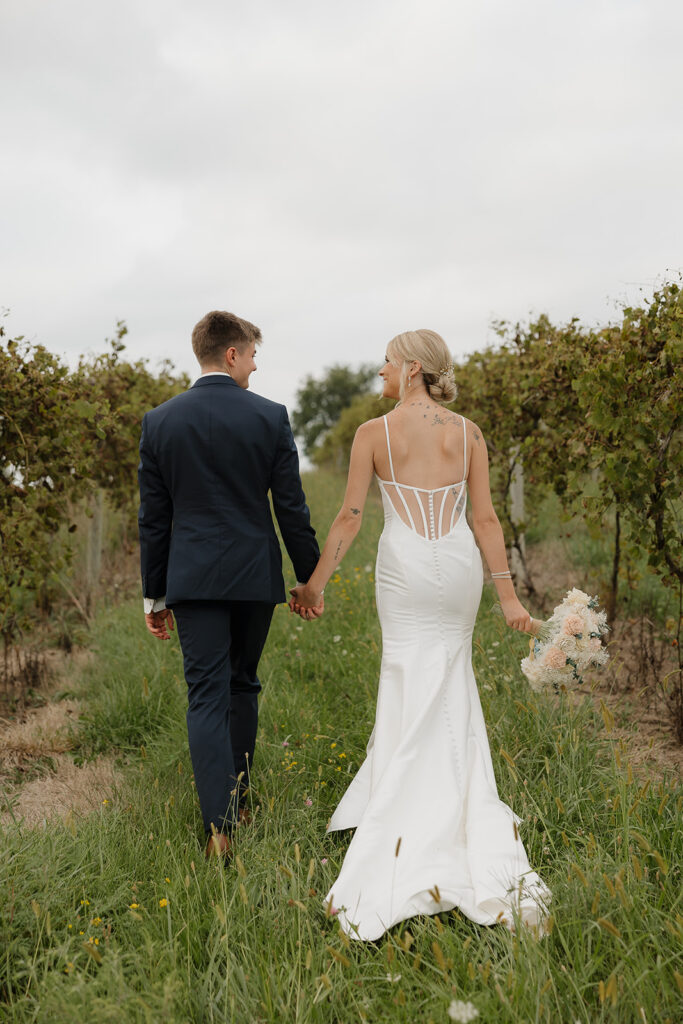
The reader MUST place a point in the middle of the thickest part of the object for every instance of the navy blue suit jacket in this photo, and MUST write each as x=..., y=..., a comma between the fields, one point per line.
x=208, y=459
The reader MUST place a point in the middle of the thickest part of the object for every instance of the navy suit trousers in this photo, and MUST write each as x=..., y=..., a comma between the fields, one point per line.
x=221, y=643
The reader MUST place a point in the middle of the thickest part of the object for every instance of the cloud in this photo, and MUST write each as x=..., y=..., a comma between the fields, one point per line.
x=336, y=173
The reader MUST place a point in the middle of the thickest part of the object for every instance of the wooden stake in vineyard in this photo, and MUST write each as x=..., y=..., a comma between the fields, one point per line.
x=517, y=515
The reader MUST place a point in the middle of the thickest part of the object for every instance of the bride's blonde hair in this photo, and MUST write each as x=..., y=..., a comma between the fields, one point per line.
x=429, y=349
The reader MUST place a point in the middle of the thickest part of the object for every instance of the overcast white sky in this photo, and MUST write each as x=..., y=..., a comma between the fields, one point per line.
x=334, y=172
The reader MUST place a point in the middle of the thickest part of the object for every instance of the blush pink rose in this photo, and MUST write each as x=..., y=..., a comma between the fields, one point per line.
x=555, y=658
x=572, y=625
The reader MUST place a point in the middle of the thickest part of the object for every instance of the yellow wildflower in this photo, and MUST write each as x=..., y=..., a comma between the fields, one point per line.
x=163, y=903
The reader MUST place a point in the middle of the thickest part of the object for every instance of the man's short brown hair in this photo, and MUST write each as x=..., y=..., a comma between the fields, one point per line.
x=218, y=331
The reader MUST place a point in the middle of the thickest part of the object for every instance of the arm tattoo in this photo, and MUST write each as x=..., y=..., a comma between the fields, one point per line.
x=355, y=511
x=477, y=436
x=336, y=554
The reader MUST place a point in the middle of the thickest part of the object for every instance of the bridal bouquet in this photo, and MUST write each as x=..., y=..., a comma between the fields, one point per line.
x=567, y=644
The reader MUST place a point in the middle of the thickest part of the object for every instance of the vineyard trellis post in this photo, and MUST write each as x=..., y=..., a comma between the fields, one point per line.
x=94, y=549
x=518, y=561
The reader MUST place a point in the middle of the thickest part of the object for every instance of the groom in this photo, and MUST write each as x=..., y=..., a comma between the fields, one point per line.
x=208, y=459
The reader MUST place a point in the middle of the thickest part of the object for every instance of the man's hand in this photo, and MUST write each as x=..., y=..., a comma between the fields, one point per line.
x=306, y=603
x=159, y=623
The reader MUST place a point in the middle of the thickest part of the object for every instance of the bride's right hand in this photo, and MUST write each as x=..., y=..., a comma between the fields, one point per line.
x=516, y=615
x=306, y=603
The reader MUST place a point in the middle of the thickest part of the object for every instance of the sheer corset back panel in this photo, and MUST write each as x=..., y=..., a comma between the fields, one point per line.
x=430, y=512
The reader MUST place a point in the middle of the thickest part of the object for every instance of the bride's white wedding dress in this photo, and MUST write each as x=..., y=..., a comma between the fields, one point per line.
x=431, y=832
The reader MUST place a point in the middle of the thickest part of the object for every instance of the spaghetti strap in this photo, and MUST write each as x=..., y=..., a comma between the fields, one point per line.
x=399, y=488
x=464, y=447
x=391, y=464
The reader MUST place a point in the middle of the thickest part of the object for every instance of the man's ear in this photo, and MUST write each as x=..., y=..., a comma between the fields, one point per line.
x=230, y=354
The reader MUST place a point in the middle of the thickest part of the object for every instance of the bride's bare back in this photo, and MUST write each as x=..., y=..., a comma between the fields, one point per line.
x=430, y=511
x=428, y=448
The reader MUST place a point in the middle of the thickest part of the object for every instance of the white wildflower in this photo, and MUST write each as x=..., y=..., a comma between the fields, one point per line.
x=393, y=977
x=336, y=639
x=462, y=1012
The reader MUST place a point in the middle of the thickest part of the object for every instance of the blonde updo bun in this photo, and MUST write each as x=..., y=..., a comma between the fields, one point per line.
x=429, y=349
x=444, y=389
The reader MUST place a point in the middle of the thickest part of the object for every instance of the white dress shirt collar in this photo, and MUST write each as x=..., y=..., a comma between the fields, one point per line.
x=215, y=373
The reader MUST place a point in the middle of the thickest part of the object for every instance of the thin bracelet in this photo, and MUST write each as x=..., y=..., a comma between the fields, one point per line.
x=501, y=575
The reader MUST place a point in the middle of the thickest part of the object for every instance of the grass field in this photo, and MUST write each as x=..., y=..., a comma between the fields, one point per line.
x=117, y=917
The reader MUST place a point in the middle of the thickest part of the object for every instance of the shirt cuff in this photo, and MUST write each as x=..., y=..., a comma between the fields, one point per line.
x=154, y=604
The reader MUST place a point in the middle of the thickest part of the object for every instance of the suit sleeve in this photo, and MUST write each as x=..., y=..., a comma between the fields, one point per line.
x=289, y=503
x=155, y=520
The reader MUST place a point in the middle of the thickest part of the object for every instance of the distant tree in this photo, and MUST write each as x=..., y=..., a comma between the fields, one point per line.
x=321, y=401
x=335, y=448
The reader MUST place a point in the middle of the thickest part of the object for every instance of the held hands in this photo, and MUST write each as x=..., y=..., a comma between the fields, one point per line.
x=159, y=623
x=306, y=602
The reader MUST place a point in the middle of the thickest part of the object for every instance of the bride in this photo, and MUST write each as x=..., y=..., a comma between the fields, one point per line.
x=431, y=833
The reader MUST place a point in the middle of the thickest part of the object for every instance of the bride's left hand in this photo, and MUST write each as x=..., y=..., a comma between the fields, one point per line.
x=306, y=602
x=516, y=615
